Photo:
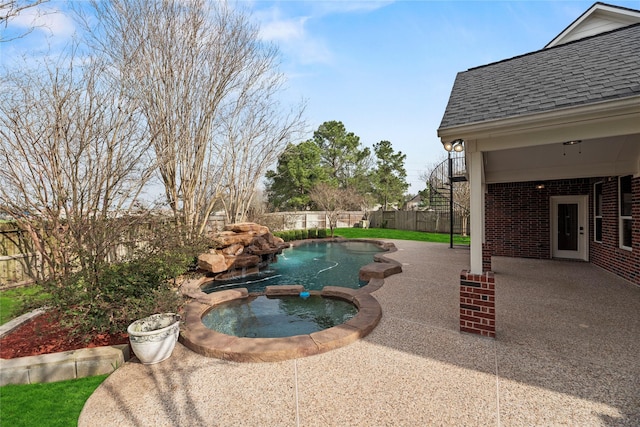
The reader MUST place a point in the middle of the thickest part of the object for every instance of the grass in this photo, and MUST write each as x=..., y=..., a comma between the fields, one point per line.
x=51, y=404
x=11, y=301
x=387, y=233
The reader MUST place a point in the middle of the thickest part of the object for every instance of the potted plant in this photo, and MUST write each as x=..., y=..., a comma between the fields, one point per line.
x=153, y=338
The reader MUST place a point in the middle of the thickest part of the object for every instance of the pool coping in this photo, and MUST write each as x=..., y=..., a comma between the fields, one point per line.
x=202, y=340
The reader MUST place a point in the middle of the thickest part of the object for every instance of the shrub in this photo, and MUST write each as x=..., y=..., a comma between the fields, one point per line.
x=313, y=233
x=108, y=297
x=298, y=234
x=322, y=233
x=304, y=234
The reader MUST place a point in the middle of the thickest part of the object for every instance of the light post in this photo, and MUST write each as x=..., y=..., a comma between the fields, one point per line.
x=457, y=146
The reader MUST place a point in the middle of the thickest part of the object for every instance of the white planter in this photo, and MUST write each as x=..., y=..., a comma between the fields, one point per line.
x=153, y=338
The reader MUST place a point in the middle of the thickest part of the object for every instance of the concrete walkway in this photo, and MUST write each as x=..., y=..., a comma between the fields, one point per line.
x=567, y=353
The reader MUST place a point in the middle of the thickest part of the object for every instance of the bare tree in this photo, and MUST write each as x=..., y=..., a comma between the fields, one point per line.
x=256, y=133
x=11, y=9
x=198, y=70
x=334, y=201
x=73, y=155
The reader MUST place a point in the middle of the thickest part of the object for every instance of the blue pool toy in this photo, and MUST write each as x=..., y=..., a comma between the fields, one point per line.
x=304, y=294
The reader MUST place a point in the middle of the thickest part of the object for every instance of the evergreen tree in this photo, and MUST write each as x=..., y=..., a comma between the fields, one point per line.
x=389, y=178
x=333, y=156
x=298, y=171
x=346, y=161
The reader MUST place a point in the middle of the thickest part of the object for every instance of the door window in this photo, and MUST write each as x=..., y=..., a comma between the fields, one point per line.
x=567, y=226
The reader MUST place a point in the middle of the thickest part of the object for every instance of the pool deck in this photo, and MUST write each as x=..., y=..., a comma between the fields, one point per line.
x=567, y=352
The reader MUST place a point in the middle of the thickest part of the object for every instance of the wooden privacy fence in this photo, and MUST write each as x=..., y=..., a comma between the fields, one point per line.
x=279, y=221
x=428, y=221
x=15, y=255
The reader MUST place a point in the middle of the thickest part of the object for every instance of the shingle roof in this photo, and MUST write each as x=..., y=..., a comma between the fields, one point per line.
x=599, y=68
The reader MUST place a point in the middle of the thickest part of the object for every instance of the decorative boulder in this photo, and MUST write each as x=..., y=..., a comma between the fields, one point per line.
x=244, y=246
x=274, y=240
x=228, y=238
x=248, y=227
x=234, y=250
x=245, y=260
x=212, y=262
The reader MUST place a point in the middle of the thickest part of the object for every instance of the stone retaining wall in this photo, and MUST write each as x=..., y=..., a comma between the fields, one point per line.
x=66, y=365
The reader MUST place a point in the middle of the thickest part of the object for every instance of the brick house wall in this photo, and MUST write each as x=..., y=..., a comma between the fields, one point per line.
x=607, y=254
x=517, y=216
x=518, y=223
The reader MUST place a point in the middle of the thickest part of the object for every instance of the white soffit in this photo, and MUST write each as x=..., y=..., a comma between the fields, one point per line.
x=591, y=158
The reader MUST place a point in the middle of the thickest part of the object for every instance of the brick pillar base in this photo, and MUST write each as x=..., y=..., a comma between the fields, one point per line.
x=486, y=257
x=478, y=303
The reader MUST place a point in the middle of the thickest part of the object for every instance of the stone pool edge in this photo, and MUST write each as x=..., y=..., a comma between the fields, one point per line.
x=202, y=340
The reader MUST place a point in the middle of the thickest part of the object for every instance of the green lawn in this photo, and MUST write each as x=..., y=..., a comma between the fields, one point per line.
x=50, y=404
x=387, y=233
x=11, y=301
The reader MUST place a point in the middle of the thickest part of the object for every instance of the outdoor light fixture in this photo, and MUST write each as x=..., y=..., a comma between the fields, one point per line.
x=457, y=146
x=569, y=143
x=539, y=185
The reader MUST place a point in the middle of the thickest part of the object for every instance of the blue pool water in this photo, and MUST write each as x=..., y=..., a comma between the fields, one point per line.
x=284, y=316
x=313, y=265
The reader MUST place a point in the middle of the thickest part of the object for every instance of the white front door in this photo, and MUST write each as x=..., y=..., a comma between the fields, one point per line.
x=569, y=228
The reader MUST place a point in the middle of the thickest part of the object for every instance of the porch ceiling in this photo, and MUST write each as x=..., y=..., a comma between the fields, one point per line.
x=612, y=156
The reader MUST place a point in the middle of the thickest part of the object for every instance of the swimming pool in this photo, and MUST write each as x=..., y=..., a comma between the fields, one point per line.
x=373, y=267
x=313, y=265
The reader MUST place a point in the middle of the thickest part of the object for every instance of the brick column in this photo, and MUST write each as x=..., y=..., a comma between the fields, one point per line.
x=477, y=303
x=486, y=257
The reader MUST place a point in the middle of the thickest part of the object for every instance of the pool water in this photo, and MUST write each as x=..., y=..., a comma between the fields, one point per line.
x=278, y=317
x=313, y=265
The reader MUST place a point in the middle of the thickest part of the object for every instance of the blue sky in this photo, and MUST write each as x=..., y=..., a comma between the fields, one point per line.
x=383, y=68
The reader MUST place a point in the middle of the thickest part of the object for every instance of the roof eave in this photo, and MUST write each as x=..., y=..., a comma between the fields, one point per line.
x=626, y=109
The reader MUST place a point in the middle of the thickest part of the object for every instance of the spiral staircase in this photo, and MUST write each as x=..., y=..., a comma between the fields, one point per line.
x=444, y=175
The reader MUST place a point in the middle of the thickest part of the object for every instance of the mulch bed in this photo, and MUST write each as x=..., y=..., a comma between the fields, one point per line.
x=44, y=335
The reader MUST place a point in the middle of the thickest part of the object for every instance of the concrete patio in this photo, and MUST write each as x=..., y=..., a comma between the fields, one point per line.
x=567, y=353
